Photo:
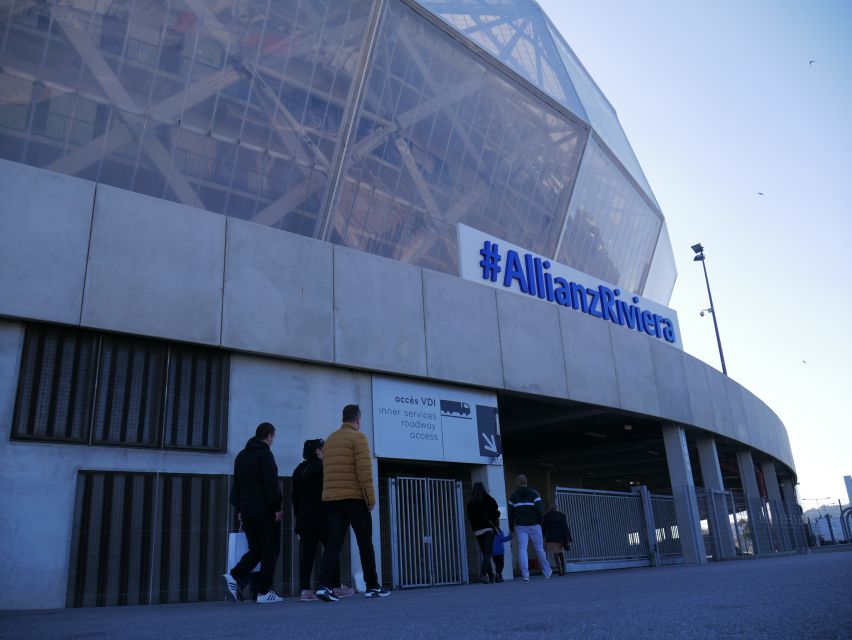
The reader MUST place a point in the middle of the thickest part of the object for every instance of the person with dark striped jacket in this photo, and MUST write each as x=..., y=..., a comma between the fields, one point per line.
x=525, y=515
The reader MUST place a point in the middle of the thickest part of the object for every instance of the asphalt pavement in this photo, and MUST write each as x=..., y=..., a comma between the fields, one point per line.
x=806, y=596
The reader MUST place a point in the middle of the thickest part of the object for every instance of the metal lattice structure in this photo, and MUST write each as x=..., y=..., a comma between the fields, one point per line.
x=376, y=125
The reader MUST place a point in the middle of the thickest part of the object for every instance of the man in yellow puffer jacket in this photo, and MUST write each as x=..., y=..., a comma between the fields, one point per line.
x=348, y=494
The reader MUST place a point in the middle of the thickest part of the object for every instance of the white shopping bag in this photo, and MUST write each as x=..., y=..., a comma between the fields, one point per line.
x=237, y=548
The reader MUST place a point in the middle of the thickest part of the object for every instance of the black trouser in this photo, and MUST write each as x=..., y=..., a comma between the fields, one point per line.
x=341, y=515
x=498, y=564
x=308, y=543
x=264, y=538
x=486, y=545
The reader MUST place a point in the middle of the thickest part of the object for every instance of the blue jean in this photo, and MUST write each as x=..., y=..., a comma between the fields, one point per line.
x=525, y=533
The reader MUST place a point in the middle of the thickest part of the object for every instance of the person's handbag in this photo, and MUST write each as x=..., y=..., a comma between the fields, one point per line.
x=237, y=548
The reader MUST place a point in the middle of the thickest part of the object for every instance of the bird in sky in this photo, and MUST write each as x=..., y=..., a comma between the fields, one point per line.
x=760, y=193
x=810, y=62
x=804, y=362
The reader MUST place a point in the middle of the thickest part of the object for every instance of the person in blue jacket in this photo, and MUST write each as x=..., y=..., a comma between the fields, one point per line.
x=497, y=553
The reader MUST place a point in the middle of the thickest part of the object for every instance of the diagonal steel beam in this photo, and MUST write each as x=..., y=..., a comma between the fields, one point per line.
x=165, y=112
x=118, y=97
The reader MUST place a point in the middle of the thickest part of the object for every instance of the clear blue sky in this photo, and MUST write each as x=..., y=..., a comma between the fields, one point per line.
x=720, y=103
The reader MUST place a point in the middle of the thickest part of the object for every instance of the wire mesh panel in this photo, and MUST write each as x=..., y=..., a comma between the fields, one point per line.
x=665, y=527
x=55, y=385
x=427, y=532
x=605, y=525
x=192, y=513
x=717, y=517
x=112, y=538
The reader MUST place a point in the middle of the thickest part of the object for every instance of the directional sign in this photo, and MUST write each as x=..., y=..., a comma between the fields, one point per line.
x=417, y=421
x=489, y=438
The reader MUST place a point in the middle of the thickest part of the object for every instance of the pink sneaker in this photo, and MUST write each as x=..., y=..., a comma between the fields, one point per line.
x=307, y=596
x=343, y=591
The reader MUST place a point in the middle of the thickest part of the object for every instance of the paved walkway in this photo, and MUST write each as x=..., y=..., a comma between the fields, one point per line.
x=793, y=597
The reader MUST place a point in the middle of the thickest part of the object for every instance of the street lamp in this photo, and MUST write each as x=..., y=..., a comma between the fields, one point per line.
x=699, y=257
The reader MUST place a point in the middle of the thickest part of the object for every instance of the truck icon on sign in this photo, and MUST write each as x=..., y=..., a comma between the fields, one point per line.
x=450, y=407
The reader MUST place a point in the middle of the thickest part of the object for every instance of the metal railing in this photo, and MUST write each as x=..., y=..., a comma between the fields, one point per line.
x=666, y=528
x=735, y=525
x=607, y=526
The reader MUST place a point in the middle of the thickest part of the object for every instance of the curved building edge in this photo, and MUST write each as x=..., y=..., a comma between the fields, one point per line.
x=77, y=253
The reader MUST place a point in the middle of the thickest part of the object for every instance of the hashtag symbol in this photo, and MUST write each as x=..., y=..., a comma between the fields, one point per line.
x=490, y=257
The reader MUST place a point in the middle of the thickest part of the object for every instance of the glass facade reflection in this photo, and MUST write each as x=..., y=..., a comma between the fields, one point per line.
x=465, y=146
x=515, y=32
x=369, y=124
x=610, y=227
x=663, y=272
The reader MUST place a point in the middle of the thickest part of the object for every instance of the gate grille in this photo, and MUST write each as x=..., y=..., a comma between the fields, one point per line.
x=427, y=532
x=605, y=525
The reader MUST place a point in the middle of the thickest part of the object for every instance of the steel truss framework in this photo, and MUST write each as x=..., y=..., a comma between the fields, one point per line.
x=375, y=126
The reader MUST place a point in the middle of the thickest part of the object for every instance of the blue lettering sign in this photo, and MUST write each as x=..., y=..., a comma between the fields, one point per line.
x=532, y=277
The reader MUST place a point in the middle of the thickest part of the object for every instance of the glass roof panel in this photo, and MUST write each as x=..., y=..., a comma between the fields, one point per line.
x=600, y=112
x=515, y=32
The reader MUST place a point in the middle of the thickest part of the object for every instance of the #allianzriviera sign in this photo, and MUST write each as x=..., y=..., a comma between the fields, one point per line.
x=489, y=260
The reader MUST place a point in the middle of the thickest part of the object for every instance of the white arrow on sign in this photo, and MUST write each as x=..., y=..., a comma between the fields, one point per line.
x=490, y=442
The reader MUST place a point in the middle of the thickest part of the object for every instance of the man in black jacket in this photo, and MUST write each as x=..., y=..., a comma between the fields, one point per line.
x=525, y=514
x=257, y=497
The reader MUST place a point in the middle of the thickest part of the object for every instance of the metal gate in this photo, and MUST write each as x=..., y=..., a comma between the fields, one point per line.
x=427, y=532
x=608, y=527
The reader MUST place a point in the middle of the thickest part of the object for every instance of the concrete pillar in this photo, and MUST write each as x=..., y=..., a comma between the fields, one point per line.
x=717, y=502
x=683, y=490
x=494, y=479
x=760, y=534
x=780, y=523
x=788, y=490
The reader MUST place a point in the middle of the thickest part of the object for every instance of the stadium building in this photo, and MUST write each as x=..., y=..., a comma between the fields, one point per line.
x=216, y=213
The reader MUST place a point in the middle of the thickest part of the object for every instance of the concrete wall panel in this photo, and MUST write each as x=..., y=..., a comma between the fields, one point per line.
x=531, y=342
x=700, y=400
x=378, y=313
x=303, y=402
x=634, y=370
x=671, y=382
x=45, y=219
x=462, y=336
x=724, y=422
x=738, y=416
x=589, y=363
x=277, y=293
x=155, y=268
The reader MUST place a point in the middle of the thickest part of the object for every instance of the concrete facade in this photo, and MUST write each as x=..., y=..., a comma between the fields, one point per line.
x=308, y=323
x=379, y=318
x=44, y=243
x=155, y=268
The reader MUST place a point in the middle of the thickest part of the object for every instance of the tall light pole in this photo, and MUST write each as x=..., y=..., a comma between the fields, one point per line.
x=699, y=257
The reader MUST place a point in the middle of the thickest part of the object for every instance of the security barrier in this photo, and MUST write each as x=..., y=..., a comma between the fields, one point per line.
x=608, y=527
x=736, y=525
x=427, y=532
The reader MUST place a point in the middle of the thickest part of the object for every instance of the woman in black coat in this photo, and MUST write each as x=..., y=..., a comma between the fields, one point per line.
x=557, y=535
x=484, y=516
x=311, y=519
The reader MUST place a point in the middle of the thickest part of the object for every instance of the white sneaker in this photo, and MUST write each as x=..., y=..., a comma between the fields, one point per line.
x=269, y=597
x=548, y=574
x=526, y=578
x=232, y=586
